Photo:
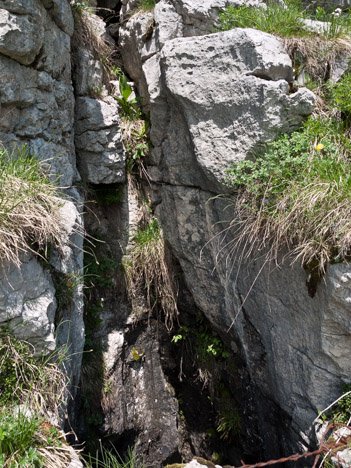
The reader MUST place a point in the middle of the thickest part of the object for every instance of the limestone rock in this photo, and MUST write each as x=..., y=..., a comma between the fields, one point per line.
x=301, y=372
x=38, y=109
x=200, y=16
x=88, y=73
x=101, y=156
x=228, y=94
x=28, y=306
x=61, y=13
x=70, y=324
x=21, y=36
x=136, y=47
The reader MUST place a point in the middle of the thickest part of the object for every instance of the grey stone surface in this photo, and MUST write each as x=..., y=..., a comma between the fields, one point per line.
x=101, y=156
x=70, y=332
x=37, y=109
x=28, y=306
x=135, y=47
x=21, y=36
x=88, y=72
x=296, y=347
x=200, y=16
x=61, y=13
x=224, y=95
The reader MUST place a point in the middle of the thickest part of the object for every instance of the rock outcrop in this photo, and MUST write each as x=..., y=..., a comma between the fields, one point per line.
x=217, y=99
x=37, y=109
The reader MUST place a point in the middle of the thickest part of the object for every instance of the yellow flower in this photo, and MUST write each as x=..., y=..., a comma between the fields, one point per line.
x=319, y=147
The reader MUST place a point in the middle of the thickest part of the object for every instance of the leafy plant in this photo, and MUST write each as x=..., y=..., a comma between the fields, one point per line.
x=342, y=411
x=136, y=142
x=29, y=441
x=129, y=108
x=181, y=334
x=340, y=97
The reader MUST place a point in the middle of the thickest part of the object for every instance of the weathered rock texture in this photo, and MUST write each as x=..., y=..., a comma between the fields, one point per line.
x=99, y=141
x=37, y=109
x=217, y=99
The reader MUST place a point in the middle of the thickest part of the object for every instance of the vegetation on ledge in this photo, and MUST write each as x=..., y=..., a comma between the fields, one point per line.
x=29, y=206
x=298, y=194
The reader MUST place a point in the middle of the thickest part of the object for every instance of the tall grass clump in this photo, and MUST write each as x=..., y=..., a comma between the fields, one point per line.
x=147, y=272
x=313, y=48
x=146, y=5
x=297, y=195
x=31, y=388
x=287, y=20
x=273, y=19
x=110, y=458
x=29, y=206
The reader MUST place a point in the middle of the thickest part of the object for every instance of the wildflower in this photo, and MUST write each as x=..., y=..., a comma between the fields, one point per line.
x=319, y=147
x=337, y=12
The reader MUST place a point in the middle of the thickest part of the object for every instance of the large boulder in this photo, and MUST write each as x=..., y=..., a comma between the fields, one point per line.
x=225, y=95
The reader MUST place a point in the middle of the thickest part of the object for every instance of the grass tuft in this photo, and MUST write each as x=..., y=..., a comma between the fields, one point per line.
x=287, y=19
x=31, y=388
x=298, y=195
x=147, y=272
x=29, y=206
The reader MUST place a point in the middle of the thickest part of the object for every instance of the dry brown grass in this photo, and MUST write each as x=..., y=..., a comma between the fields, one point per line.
x=29, y=207
x=149, y=274
x=33, y=390
x=316, y=55
x=87, y=35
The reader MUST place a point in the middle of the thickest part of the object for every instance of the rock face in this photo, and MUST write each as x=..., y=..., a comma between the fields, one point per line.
x=216, y=99
x=27, y=306
x=99, y=141
x=37, y=109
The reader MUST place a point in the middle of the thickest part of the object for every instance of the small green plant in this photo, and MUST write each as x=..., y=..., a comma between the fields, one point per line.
x=29, y=441
x=30, y=388
x=229, y=424
x=340, y=97
x=181, y=334
x=26, y=378
x=342, y=411
x=146, y=5
x=138, y=354
x=80, y=7
x=209, y=345
x=136, y=142
x=284, y=20
x=128, y=106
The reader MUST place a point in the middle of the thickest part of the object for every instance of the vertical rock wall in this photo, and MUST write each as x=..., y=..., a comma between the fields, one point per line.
x=37, y=109
x=216, y=99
